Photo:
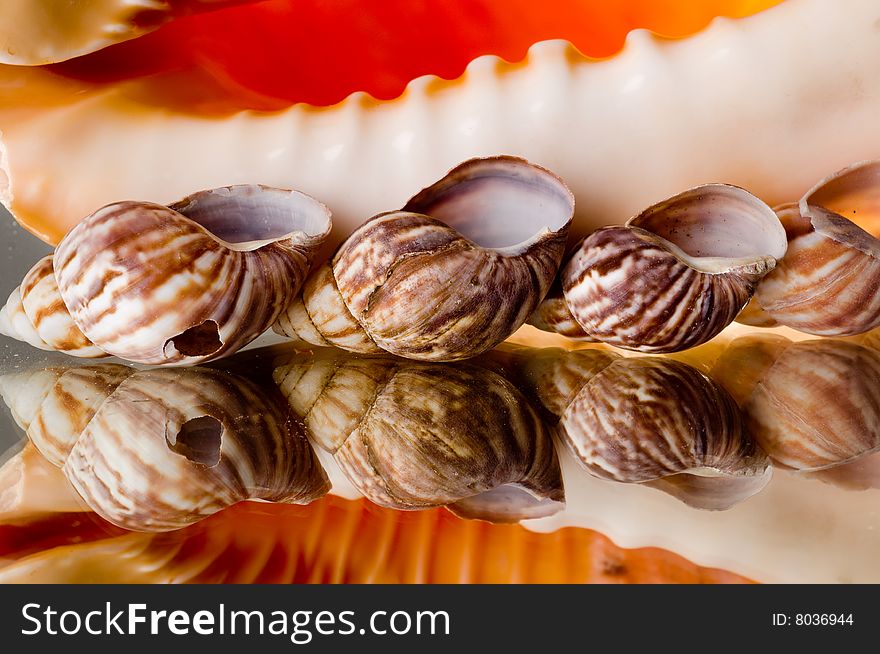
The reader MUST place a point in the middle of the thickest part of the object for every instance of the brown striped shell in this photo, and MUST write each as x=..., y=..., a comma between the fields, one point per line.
x=451, y=275
x=649, y=420
x=159, y=449
x=181, y=284
x=413, y=435
x=827, y=283
x=812, y=405
x=54, y=405
x=675, y=275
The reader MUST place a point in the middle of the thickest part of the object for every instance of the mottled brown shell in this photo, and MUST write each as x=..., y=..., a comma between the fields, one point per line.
x=650, y=420
x=675, y=275
x=454, y=273
x=414, y=435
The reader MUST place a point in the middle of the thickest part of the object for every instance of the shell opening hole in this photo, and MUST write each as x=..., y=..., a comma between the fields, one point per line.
x=499, y=204
x=201, y=340
x=198, y=440
x=248, y=216
x=716, y=221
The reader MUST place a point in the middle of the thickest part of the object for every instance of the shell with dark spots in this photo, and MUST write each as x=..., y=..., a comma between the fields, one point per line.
x=412, y=435
x=460, y=268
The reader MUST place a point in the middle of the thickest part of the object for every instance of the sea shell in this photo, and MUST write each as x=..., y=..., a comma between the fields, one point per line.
x=650, y=420
x=416, y=435
x=45, y=31
x=731, y=103
x=812, y=405
x=337, y=541
x=827, y=282
x=54, y=405
x=455, y=272
x=171, y=285
x=825, y=544
x=158, y=449
x=676, y=274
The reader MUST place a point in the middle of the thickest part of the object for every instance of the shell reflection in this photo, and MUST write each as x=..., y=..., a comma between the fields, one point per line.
x=649, y=420
x=812, y=405
x=415, y=435
x=156, y=450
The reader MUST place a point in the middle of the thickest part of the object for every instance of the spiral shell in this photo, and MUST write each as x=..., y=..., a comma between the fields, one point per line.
x=190, y=282
x=827, y=282
x=159, y=449
x=54, y=405
x=414, y=435
x=649, y=420
x=675, y=275
x=812, y=405
x=451, y=275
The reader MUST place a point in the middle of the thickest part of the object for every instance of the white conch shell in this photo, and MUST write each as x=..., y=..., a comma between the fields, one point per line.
x=827, y=282
x=455, y=272
x=812, y=405
x=675, y=275
x=47, y=31
x=649, y=420
x=171, y=285
x=415, y=435
x=733, y=103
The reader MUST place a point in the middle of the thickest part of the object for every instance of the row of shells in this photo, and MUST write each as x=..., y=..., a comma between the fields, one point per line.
x=456, y=271
x=154, y=450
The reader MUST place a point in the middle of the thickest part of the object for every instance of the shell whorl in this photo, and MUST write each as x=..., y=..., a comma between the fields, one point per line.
x=413, y=435
x=812, y=405
x=675, y=275
x=181, y=284
x=827, y=282
x=649, y=420
x=451, y=275
x=54, y=405
x=36, y=314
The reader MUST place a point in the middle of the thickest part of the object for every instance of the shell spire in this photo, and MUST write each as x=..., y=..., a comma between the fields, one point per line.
x=451, y=275
x=181, y=284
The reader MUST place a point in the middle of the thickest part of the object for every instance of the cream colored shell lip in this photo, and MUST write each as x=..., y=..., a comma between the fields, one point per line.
x=175, y=285
x=827, y=282
x=455, y=272
x=673, y=277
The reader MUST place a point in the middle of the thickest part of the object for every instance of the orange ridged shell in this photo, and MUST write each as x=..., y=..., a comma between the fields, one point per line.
x=333, y=541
